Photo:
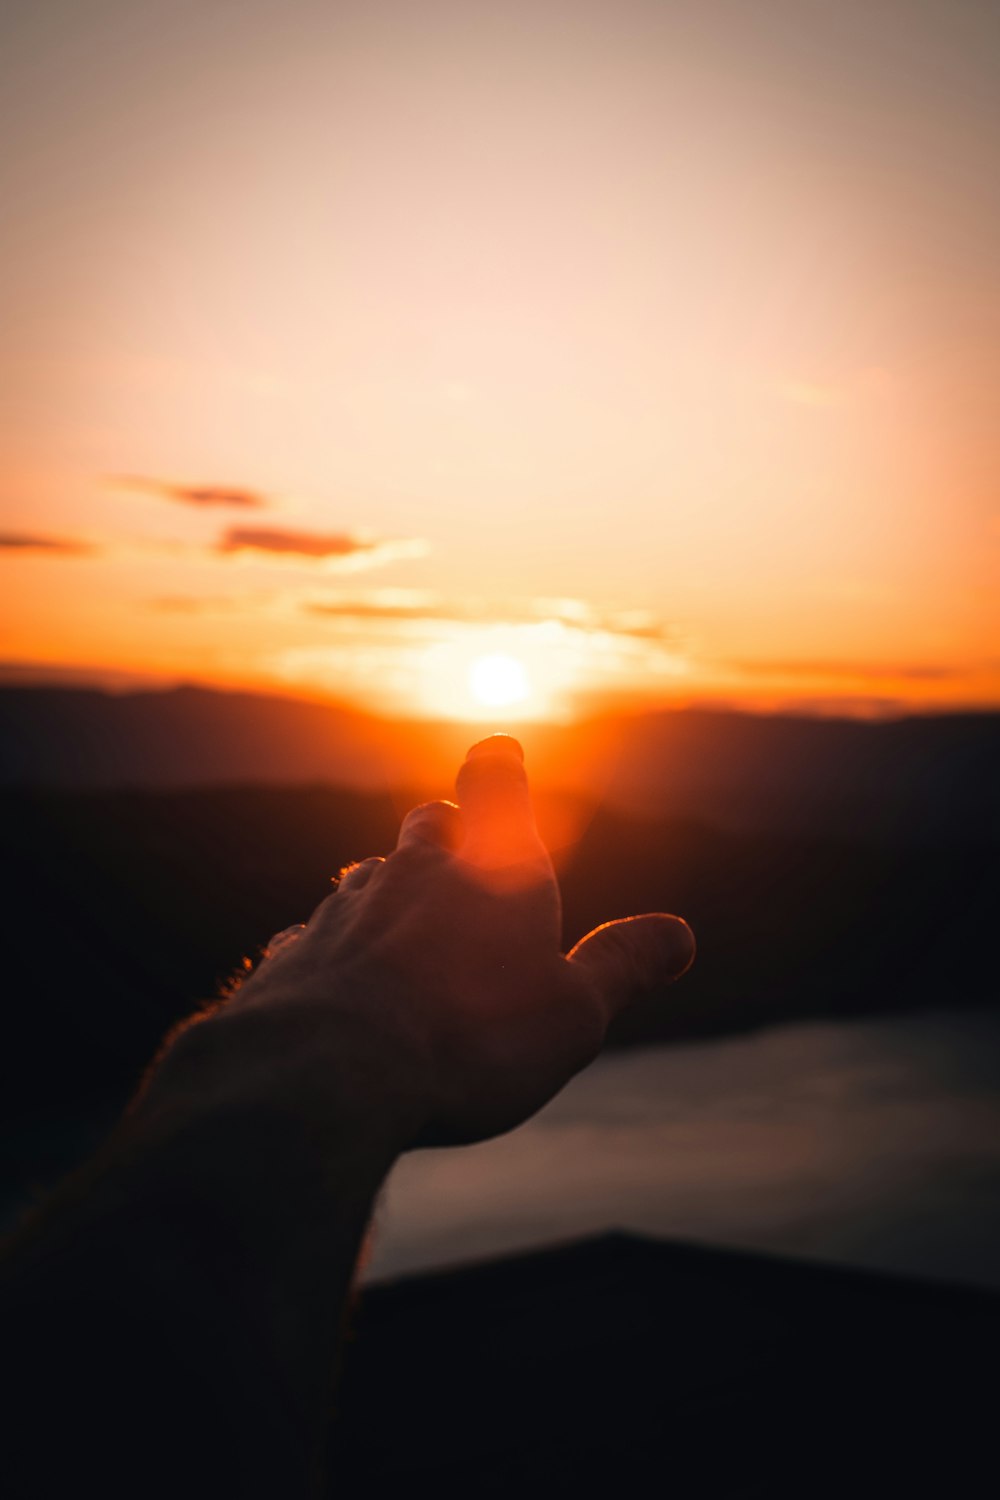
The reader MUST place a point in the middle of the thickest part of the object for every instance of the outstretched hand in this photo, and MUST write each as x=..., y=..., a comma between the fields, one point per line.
x=215, y=1235
x=448, y=954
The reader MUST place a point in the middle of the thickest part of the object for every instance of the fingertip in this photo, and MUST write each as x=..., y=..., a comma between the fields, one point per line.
x=635, y=956
x=496, y=744
x=438, y=823
x=492, y=772
x=671, y=944
x=679, y=944
x=493, y=793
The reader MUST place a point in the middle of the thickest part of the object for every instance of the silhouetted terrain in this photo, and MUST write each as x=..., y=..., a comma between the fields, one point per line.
x=905, y=780
x=623, y=1366
x=128, y=906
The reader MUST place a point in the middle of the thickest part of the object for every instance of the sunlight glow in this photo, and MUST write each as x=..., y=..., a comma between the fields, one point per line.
x=473, y=671
x=498, y=680
x=469, y=671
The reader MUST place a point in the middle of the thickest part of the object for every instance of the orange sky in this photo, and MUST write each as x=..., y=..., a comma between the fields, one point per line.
x=654, y=346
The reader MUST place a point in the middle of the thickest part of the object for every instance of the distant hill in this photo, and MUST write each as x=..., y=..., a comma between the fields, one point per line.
x=82, y=737
x=906, y=780
x=903, y=780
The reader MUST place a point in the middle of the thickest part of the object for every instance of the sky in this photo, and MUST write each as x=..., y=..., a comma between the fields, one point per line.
x=439, y=356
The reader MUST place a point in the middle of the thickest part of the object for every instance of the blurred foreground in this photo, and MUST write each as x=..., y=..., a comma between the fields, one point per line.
x=621, y=1366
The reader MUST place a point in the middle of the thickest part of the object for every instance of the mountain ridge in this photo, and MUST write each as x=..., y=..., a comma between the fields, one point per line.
x=909, y=778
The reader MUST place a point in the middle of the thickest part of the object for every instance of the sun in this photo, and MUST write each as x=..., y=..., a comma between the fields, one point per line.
x=478, y=673
x=498, y=680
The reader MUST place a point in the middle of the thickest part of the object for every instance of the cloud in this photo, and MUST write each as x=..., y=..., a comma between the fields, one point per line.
x=48, y=546
x=414, y=604
x=301, y=543
x=198, y=495
x=320, y=545
x=398, y=605
x=850, y=670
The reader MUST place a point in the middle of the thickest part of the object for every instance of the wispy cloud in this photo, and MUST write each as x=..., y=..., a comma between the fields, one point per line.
x=322, y=546
x=415, y=604
x=197, y=495
x=850, y=670
x=413, y=615
x=47, y=546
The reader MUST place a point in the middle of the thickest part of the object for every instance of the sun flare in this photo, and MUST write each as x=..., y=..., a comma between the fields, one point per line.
x=498, y=680
x=477, y=672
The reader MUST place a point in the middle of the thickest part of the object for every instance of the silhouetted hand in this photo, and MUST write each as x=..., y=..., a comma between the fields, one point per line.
x=449, y=952
x=210, y=1244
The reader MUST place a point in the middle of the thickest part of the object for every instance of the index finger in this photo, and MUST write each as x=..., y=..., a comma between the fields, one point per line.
x=497, y=814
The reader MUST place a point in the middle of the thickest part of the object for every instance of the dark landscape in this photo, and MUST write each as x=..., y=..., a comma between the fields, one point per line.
x=626, y=1366
x=830, y=868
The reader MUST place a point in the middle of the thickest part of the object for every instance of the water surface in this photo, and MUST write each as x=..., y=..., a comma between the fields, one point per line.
x=870, y=1143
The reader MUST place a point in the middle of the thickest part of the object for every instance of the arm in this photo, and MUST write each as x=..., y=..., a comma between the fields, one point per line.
x=182, y=1297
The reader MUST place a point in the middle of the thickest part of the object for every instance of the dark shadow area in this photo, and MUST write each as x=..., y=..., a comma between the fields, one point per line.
x=627, y=1366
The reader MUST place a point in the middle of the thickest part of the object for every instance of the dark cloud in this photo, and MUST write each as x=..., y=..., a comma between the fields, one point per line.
x=296, y=543
x=195, y=494
x=49, y=546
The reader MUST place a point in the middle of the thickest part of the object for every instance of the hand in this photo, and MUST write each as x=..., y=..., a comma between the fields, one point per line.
x=215, y=1235
x=447, y=952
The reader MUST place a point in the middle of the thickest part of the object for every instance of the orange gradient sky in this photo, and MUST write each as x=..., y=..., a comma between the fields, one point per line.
x=652, y=347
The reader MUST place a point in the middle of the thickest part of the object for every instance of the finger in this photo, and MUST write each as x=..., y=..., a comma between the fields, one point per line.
x=635, y=956
x=497, y=814
x=437, y=823
x=356, y=877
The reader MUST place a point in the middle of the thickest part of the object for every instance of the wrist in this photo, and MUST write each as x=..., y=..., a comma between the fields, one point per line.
x=260, y=1140
x=348, y=1067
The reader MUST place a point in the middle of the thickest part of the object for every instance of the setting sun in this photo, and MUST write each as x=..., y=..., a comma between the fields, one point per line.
x=475, y=670
x=498, y=680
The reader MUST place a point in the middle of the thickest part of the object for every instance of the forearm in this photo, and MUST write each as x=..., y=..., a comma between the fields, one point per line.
x=211, y=1247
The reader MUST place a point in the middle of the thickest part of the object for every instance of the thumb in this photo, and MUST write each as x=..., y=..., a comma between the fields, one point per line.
x=634, y=956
